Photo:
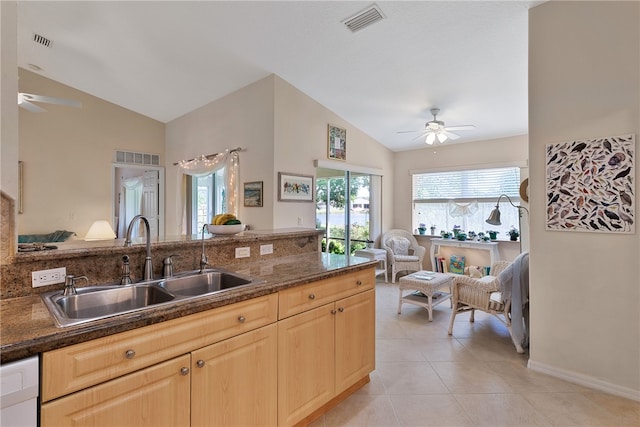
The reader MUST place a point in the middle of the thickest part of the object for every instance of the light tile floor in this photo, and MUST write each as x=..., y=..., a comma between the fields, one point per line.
x=425, y=377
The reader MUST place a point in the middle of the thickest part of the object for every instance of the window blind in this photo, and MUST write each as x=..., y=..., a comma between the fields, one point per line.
x=465, y=185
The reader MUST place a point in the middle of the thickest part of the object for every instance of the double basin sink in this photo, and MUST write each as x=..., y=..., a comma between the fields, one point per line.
x=98, y=302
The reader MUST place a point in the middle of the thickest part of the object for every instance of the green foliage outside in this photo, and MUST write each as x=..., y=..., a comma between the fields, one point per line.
x=358, y=232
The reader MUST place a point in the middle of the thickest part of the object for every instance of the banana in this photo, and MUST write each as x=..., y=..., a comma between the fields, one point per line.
x=220, y=219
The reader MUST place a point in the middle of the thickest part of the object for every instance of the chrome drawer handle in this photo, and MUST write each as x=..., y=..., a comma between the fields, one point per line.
x=241, y=319
x=312, y=296
x=184, y=371
x=129, y=354
x=200, y=363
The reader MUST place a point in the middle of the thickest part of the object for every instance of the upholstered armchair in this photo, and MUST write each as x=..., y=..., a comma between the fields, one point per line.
x=503, y=293
x=403, y=252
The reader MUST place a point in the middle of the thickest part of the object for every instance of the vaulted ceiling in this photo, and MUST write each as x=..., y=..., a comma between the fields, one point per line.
x=164, y=59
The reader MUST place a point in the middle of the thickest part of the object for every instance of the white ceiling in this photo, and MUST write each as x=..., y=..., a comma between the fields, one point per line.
x=164, y=59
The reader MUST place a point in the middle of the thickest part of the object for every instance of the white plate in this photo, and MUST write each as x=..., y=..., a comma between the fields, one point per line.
x=225, y=229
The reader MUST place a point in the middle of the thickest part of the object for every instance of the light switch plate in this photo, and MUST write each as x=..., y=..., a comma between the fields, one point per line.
x=243, y=252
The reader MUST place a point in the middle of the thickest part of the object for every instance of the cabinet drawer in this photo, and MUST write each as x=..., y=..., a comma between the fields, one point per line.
x=82, y=365
x=301, y=298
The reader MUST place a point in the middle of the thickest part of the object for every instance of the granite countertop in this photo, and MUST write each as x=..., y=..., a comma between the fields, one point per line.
x=27, y=328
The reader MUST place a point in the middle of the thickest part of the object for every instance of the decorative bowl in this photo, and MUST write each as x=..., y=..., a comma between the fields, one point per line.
x=225, y=229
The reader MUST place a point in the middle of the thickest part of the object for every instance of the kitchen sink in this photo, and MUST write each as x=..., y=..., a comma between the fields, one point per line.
x=201, y=284
x=98, y=302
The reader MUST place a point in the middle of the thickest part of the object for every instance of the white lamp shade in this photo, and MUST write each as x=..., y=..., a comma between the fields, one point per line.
x=100, y=230
x=430, y=138
x=442, y=137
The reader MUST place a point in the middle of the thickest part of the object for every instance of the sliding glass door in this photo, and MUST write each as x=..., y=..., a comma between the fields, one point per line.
x=343, y=209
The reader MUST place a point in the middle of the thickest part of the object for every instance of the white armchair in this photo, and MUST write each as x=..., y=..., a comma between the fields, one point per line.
x=403, y=251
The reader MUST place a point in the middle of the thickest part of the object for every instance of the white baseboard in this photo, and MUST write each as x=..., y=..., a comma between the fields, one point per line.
x=584, y=380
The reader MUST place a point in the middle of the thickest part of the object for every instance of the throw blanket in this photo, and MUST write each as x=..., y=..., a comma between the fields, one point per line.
x=514, y=285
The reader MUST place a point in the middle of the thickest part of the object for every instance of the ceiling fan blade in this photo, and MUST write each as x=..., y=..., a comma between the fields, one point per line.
x=409, y=131
x=31, y=107
x=51, y=100
x=421, y=136
x=460, y=127
x=450, y=135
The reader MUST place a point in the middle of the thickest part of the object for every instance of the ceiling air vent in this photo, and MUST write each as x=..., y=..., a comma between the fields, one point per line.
x=364, y=18
x=133, y=158
x=42, y=40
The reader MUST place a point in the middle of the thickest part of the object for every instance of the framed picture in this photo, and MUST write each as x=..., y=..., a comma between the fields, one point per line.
x=253, y=194
x=295, y=188
x=590, y=185
x=336, y=143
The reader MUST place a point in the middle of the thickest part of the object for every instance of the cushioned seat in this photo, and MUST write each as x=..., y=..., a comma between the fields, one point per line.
x=403, y=252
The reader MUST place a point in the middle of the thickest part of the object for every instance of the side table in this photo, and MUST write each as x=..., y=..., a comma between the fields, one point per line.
x=428, y=283
x=380, y=255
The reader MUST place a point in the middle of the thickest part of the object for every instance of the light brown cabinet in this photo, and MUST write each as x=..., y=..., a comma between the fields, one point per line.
x=271, y=360
x=324, y=350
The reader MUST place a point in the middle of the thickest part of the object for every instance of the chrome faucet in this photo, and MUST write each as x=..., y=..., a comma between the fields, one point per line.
x=203, y=258
x=148, y=266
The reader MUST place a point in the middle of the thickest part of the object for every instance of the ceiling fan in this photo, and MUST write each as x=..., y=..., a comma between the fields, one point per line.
x=436, y=130
x=26, y=101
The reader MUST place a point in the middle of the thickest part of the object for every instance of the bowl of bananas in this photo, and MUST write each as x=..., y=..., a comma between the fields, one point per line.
x=225, y=224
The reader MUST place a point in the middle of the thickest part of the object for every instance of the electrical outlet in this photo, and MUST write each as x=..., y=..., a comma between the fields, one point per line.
x=266, y=249
x=243, y=252
x=299, y=220
x=48, y=277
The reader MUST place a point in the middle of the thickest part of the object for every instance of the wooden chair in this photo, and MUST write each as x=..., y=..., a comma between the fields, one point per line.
x=403, y=251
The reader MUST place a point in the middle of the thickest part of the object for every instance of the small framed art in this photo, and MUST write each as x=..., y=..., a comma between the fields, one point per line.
x=336, y=143
x=253, y=194
x=294, y=187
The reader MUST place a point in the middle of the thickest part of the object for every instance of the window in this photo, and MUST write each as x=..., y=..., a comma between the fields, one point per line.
x=206, y=199
x=466, y=198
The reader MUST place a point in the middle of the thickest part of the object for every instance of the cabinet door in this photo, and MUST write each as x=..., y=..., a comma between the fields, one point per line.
x=306, y=363
x=234, y=382
x=155, y=396
x=355, y=339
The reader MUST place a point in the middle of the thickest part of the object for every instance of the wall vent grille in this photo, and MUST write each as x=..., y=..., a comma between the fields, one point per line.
x=364, y=18
x=42, y=40
x=132, y=158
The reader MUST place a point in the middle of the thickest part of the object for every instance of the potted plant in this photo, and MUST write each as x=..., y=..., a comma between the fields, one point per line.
x=456, y=230
x=513, y=234
x=422, y=228
x=445, y=234
x=433, y=230
x=461, y=236
x=493, y=235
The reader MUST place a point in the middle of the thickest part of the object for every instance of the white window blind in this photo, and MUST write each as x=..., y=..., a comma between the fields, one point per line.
x=466, y=185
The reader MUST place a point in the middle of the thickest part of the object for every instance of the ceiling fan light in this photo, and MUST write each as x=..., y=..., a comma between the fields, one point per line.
x=431, y=138
x=442, y=137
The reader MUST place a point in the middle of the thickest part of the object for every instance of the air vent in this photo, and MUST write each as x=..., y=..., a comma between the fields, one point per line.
x=42, y=40
x=364, y=18
x=132, y=158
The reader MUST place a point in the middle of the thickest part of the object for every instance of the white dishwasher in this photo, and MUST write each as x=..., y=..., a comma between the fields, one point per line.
x=19, y=393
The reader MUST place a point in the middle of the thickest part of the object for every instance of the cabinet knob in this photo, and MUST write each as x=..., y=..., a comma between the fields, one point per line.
x=340, y=309
x=184, y=371
x=129, y=354
x=359, y=282
x=312, y=296
x=200, y=363
x=241, y=319
x=333, y=312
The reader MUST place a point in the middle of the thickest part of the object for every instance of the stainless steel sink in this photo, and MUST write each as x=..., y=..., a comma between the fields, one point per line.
x=208, y=282
x=98, y=302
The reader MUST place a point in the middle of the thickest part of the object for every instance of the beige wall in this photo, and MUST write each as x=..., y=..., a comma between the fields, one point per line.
x=301, y=138
x=584, y=79
x=243, y=119
x=68, y=154
x=280, y=130
x=505, y=152
x=8, y=107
